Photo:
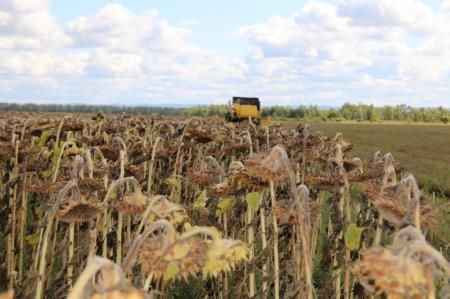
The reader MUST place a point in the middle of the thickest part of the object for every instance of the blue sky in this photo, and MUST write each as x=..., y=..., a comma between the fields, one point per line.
x=174, y=51
x=212, y=23
x=215, y=21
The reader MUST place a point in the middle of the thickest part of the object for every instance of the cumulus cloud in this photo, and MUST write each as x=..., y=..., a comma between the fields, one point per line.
x=28, y=25
x=351, y=48
x=445, y=6
x=115, y=27
x=112, y=55
x=386, y=13
x=29, y=41
x=374, y=51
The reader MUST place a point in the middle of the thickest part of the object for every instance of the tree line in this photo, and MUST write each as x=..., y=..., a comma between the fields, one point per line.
x=80, y=108
x=354, y=112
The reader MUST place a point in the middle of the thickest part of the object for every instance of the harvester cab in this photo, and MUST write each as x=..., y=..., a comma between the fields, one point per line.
x=241, y=108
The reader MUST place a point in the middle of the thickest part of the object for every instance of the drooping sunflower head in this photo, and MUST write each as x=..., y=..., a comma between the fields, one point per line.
x=131, y=204
x=78, y=210
x=103, y=279
x=223, y=255
x=380, y=270
x=275, y=166
x=286, y=212
x=391, y=210
x=202, y=178
x=167, y=256
x=326, y=183
x=165, y=209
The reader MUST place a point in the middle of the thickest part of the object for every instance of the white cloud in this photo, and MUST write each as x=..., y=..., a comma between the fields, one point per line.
x=374, y=51
x=117, y=64
x=358, y=49
x=115, y=27
x=29, y=41
x=28, y=25
x=43, y=64
x=380, y=13
x=110, y=56
x=445, y=6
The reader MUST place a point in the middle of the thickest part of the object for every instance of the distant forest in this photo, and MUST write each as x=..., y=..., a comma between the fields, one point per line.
x=358, y=112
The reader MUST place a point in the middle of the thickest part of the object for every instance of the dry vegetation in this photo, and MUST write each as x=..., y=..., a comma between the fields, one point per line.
x=142, y=207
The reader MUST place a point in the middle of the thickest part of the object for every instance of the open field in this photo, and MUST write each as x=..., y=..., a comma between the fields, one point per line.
x=119, y=206
x=424, y=149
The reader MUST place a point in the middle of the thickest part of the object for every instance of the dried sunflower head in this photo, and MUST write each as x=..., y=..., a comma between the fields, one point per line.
x=133, y=204
x=375, y=188
x=79, y=210
x=88, y=186
x=391, y=210
x=210, y=172
x=326, y=183
x=36, y=185
x=222, y=256
x=285, y=211
x=221, y=189
x=103, y=279
x=109, y=152
x=354, y=164
x=165, y=209
x=201, y=177
x=111, y=283
x=371, y=189
x=380, y=270
x=239, y=181
x=274, y=167
x=198, y=133
x=164, y=251
x=397, y=204
x=346, y=145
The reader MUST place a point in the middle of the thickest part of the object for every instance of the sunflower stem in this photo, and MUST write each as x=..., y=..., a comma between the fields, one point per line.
x=70, y=257
x=119, y=213
x=23, y=222
x=275, y=244
x=263, y=240
x=250, y=240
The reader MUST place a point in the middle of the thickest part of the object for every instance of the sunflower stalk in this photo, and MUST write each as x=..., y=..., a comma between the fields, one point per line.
x=119, y=213
x=151, y=164
x=50, y=218
x=275, y=244
x=23, y=223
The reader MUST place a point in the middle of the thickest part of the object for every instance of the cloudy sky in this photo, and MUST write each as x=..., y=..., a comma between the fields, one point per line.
x=201, y=51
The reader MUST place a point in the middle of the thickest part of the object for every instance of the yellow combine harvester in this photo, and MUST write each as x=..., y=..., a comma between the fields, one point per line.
x=243, y=109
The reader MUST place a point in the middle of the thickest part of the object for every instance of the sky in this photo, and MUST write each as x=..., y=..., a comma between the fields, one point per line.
x=286, y=52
